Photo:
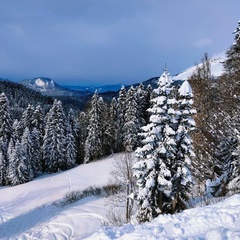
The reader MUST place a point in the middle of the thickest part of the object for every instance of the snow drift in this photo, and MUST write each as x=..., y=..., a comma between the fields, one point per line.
x=28, y=211
x=215, y=222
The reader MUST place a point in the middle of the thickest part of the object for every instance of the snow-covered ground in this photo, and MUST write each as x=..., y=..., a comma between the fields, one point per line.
x=27, y=212
x=216, y=222
x=216, y=62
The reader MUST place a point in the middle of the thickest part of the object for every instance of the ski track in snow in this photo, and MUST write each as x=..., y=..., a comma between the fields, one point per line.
x=27, y=211
x=220, y=221
x=51, y=222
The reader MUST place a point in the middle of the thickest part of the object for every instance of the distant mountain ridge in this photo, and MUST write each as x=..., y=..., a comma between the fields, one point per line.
x=49, y=87
x=100, y=89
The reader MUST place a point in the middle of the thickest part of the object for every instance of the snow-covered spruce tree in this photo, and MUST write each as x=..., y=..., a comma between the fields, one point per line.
x=38, y=122
x=121, y=107
x=25, y=121
x=234, y=183
x=147, y=97
x=231, y=81
x=2, y=169
x=71, y=150
x=183, y=125
x=143, y=103
x=6, y=134
x=18, y=168
x=81, y=136
x=131, y=125
x=104, y=117
x=222, y=169
x=152, y=169
x=36, y=151
x=37, y=133
x=93, y=143
x=111, y=126
x=54, y=141
x=232, y=63
x=28, y=153
x=227, y=169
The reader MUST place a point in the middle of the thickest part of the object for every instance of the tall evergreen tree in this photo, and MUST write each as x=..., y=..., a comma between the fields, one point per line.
x=232, y=63
x=94, y=144
x=103, y=118
x=111, y=128
x=2, y=169
x=38, y=122
x=82, y=136
x=54, y=141
x=181, y=172
x=121, y=107
x=71, y=134
x=18, y=168
x=131, y=125
x=143, y=103
x=6, y=134
x=152, y=169
x=163, y=170
x=27, y=153
x=26, y=121
x=36, y=151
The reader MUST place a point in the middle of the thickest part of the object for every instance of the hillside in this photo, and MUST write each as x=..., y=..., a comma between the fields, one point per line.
x=216, y=62
x=30, y=206
x=35, y=209
x=20, y=97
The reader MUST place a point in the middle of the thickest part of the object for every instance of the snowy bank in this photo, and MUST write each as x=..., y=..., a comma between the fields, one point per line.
x=215, y=222
x=28, y=211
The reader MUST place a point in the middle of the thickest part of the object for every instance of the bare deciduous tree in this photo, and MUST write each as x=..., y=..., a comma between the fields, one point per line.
x=122, y=175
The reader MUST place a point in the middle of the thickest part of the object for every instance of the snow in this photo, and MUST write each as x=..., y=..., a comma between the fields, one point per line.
x=31, y=207
x=216, y=67
x=39, y=82
x=165, y=79
x=29, y=211
x=219, y=221
x=43, y=85
x=185, y=89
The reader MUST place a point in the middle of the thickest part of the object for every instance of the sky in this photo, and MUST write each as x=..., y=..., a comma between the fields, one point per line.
x=96, y=42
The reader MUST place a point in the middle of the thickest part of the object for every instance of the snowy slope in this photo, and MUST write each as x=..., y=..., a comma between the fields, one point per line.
x=216, y=222
x=27, y=212
x=216, y=67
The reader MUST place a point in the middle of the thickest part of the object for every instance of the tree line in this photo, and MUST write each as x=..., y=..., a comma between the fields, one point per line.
x=53, y=140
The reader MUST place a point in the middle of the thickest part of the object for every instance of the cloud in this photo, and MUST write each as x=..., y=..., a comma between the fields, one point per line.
x=110, y=41
x=203, y=42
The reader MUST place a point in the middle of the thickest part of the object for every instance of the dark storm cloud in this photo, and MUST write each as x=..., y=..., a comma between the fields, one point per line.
x=110, y=41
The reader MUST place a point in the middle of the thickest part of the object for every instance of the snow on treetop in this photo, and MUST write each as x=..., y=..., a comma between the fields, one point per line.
x=165, y=79
x=185, y=89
